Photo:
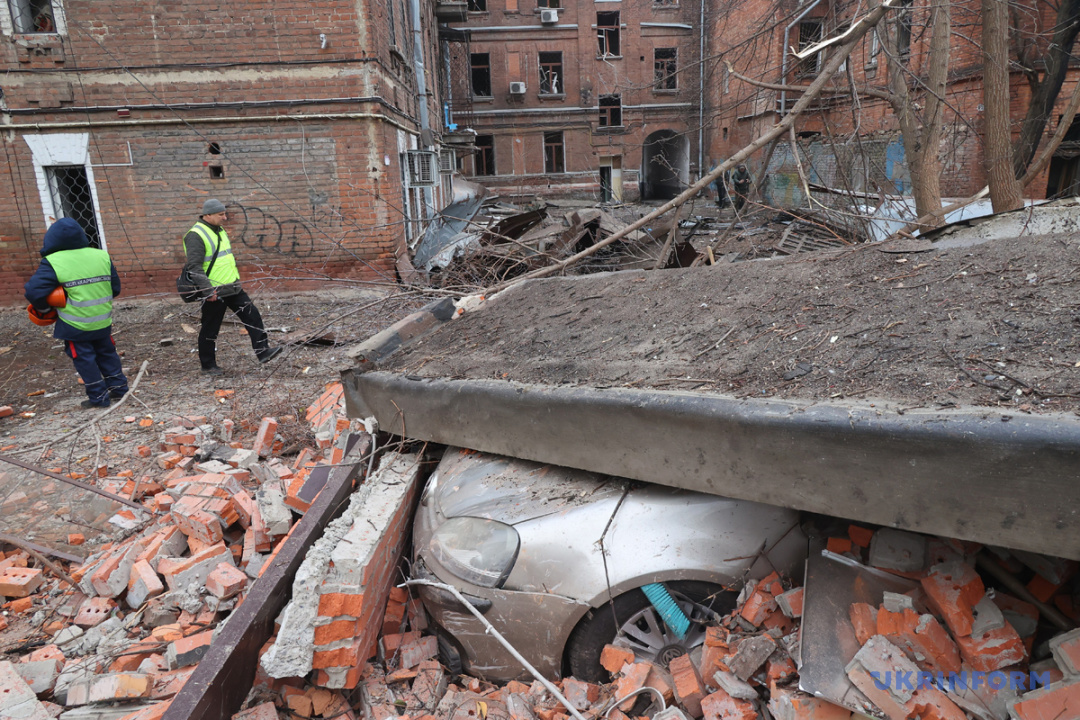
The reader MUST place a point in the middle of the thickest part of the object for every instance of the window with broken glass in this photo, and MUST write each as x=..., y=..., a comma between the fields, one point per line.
x=32, y=16
x=477, y=5
x=610, y=111
x=607, y=33
x=665, y=67
x=553, y=152
x=481, y=74
x=810, y=33
x=549, y=3
x=484, y=159
x=551, y=73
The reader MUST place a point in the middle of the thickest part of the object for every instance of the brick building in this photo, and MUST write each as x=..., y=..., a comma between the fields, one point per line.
x=858, y=146
x=304, y=118
x=597, y=99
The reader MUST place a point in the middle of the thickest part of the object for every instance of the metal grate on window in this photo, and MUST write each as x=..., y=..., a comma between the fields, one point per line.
x=422, y=165
x=73, y=198
x=32, y=16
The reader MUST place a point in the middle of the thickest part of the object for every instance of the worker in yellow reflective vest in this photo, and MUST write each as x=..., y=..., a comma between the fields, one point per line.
x=212, y=266
x=90, y=282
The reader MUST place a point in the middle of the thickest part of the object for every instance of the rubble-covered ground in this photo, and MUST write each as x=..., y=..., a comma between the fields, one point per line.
x=995, y=324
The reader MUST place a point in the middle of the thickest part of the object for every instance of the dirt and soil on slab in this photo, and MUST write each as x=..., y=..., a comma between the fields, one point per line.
x=994, y=324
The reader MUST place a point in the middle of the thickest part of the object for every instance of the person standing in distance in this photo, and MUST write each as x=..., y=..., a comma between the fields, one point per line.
x=220, y=285
x=90, y=283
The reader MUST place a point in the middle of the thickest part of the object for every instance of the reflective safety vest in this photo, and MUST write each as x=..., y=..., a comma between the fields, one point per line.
x=86, y=276
x=224, y=271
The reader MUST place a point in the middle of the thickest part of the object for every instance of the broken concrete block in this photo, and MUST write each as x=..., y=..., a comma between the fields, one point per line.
x=632, y=678
x=752, y=654
x=68, y=635
x=898, y=550
x=118, y=686
x=733, y=686
x=952, y=591
x=891, y=682
x=895, y=602
x=988, y=616
x=689, y=690
x=17, y=699
x=922, y=637
x=40, y=675
x=993, y=650
x=276, y=516
x=613, y=657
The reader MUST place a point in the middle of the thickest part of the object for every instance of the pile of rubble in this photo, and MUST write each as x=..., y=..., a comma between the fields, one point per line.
x=132, y=621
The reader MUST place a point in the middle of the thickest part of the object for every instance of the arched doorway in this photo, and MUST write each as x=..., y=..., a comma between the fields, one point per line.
x=665, y=165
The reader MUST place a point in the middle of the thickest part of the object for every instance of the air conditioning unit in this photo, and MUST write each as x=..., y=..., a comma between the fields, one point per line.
x=549, y=16
x=517, y=88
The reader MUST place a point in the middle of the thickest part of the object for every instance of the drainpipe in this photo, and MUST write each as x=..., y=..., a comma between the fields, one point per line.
x=421, y=94
x=783, y=60
x=701, y=96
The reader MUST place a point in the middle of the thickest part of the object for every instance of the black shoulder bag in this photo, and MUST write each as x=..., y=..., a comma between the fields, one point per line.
x=185, y=284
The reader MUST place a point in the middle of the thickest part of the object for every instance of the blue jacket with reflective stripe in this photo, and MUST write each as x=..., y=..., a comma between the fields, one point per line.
x=65, y=234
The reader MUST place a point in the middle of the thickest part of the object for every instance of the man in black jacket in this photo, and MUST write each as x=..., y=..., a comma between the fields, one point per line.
x=212, y=266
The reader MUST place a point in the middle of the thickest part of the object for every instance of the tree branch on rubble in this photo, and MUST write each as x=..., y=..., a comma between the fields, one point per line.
x=56, y=569
x=832, y=65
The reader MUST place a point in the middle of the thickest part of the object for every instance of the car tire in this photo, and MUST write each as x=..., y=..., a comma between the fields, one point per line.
x=598, y=628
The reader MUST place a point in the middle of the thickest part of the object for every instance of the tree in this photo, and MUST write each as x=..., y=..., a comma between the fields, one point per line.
x=997, y=146
x=921, y=132
x=1045, y=90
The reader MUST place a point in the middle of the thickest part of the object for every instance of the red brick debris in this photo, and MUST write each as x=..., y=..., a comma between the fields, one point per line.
x=146, y=608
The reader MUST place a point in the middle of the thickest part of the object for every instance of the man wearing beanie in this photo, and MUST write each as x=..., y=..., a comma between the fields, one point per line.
x=212, y=266
x=84, y=324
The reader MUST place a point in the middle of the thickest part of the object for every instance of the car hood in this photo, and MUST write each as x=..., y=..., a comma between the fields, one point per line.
x=511, y=491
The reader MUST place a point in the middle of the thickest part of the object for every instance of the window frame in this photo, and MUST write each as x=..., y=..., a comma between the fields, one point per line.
x=609, y=34
x=554, y=152
x=610, y=111
x=19, y=9
x=811, y=66
x=484, y=157
x=666, y=81
x=473, y=68
x=547, y=69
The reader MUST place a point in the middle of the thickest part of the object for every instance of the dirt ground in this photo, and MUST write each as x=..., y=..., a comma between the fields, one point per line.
x=992, y=325
x=39, y=382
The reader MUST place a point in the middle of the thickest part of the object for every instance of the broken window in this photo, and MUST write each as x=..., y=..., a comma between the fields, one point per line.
x=607, y=33
x=903, y=29
x=610, y=111
x=665, y=66
x=477, y=5
x=873, y=47
x=484, y=158
x=551, y=73
x=549, y=3
x=73, y=198
x=32, y=16
x=810, y=33
x=391, y=22
x=481, y=74
x=553, y=152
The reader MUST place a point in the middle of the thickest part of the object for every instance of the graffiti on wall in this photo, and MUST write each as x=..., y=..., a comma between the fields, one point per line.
x=296, y=237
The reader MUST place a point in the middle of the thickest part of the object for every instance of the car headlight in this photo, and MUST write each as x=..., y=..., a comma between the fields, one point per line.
x=478, y=551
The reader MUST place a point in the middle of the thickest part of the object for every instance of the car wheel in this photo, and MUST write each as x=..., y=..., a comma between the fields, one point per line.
x=641, y=629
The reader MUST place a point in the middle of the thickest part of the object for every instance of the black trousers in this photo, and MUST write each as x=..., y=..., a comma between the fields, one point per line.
x=213, y=312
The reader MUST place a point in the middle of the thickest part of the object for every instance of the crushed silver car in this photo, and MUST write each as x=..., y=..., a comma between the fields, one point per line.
x=556, y=559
